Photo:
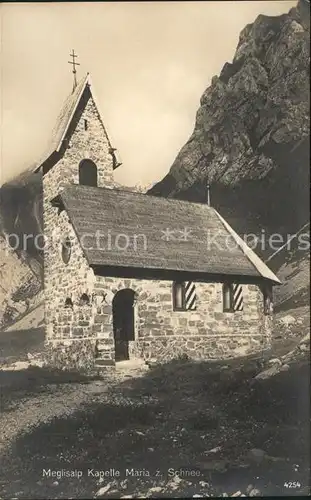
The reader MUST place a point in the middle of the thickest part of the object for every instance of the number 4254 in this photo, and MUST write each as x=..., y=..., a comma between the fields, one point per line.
x=292, y=484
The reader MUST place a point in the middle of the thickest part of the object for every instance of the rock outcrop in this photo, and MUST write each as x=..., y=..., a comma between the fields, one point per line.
x=19, y=287
x=21, y=261
x=251, y=141
x=251, y=136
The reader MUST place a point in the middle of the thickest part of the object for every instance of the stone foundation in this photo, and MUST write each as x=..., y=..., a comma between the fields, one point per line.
x=81, y=337
x=199, y=348
x=71, y=355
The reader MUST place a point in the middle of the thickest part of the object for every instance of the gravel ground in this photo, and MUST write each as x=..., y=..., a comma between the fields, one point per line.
x=29, y=412
x=212, y=420
x=25, y=404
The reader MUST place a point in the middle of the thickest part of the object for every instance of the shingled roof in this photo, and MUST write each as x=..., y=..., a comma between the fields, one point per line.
x=210, y=246
x=65, y=118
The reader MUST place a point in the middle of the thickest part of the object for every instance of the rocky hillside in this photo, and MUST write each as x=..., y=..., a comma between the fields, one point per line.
x=251, y=135
x=292, y=264
x=21, y=268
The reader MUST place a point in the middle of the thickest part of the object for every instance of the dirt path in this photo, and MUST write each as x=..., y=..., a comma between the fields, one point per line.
x=27, y=413
x=28, y=409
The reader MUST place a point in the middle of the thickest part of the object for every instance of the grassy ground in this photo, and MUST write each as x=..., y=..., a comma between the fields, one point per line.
x=169, y=417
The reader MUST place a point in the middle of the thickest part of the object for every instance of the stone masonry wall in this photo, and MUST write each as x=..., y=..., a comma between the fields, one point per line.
x=207, y=333
x=69, y=337
x=65, y=327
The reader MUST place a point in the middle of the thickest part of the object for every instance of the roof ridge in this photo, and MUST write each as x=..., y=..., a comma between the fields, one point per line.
x=59, y=125
x=170, y=200
x=81, y=87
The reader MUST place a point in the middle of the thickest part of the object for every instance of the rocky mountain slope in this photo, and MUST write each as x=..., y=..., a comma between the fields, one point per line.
x=292, y=264
x=251, y=137
x=21, y=266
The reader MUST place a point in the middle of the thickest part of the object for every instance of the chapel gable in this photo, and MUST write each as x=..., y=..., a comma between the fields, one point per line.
x=80, y=150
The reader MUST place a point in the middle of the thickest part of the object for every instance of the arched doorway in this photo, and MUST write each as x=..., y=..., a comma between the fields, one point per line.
x=123, y=322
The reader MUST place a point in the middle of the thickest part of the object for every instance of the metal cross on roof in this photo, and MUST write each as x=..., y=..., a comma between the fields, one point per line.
x=74, y=64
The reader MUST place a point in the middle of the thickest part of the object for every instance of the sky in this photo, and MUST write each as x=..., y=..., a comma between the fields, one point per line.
x=150, y=62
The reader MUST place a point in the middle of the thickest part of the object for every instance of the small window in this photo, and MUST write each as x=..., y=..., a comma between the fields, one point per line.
x=66, y=250
x=184, y=296
x=85, y=125
x=227, y=295
x=68, y=303
x=267, y=300
x=178, y=296
x=84, y=300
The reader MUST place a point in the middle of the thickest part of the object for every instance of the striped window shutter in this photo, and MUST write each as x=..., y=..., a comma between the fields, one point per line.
x=237, y=297
x=190, y=296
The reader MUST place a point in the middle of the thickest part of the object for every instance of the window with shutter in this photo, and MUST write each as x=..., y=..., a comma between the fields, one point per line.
x=178, y=296
x=227, y=294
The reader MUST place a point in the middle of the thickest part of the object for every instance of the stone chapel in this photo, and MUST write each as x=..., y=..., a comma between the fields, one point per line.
x=130, y=275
